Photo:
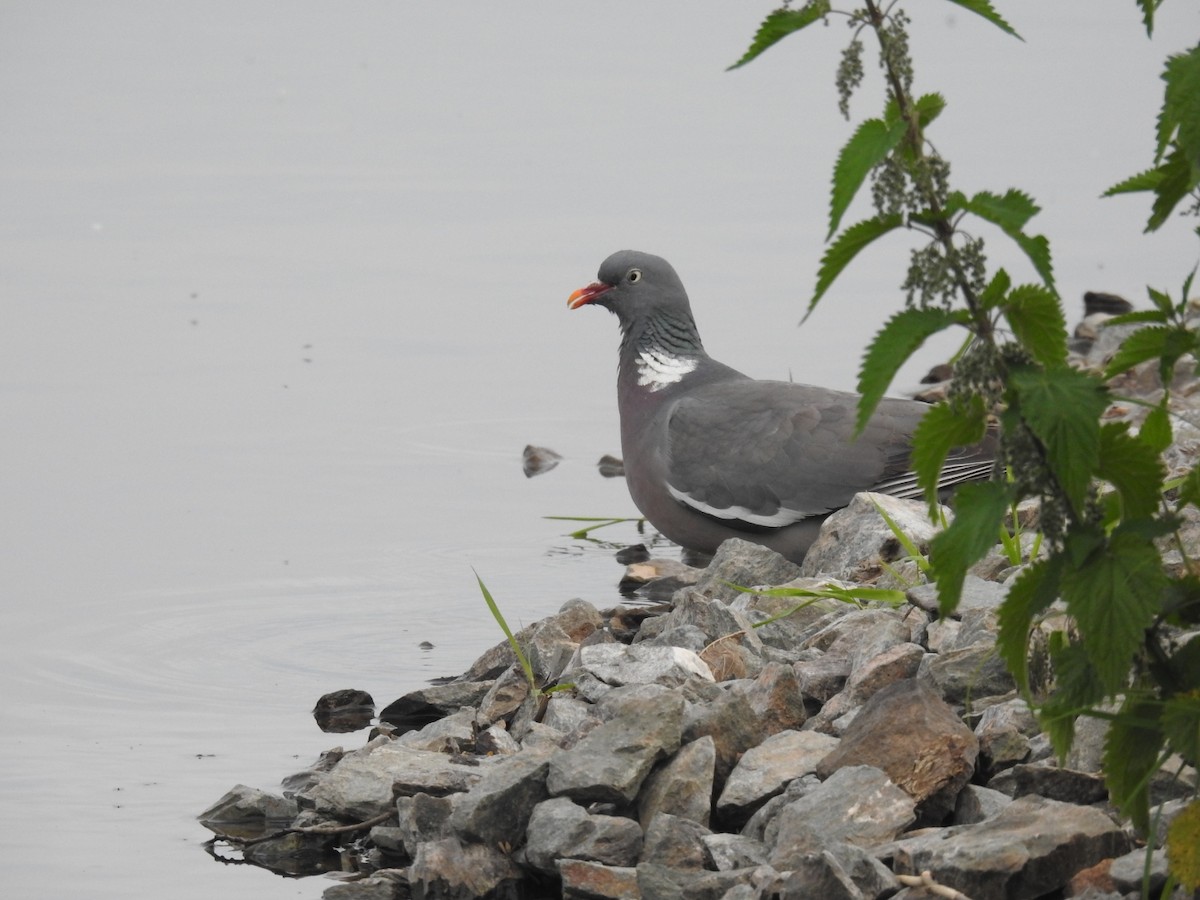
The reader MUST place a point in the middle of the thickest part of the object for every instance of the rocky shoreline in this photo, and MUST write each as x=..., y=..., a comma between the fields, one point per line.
x=831, y=752
x=730, y=744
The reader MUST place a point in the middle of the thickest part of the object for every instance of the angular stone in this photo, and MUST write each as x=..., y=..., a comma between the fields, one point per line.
x=819, y=874
x=560, y=829
x=422, y=818
x=735, y=851
x=746, y=565
x=908, y=732
x=682, y=785
x=775, y=697
x=382, y=885
x=978, y=804
x=822, y=676
x=976, y=594
x=896, y=663
x=855, y=541
x=566, y=713
x=614, y=665
x=418, y=708
x=857, y=804
x=663, y=883
x=1004, y=731
x=765, y=770
x=582, y=880
x=1030, y=849
x=1051, y=782
x=363, y=784
x=450, y=734
x=611, y=761
x=499, y=806
x=504, y=697
x=450, y=869
x=792, y=617
x=728, y=719
x=969, y=672
x=247, y=813
x=675, y=842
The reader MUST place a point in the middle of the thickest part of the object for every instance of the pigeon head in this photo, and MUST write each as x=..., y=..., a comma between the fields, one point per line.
x=635, y=286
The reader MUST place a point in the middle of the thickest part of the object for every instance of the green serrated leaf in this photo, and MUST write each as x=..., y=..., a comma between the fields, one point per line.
x=1011, y=212
x=1178, y=180
x=1181, y=722
x=1114, y=597
x=872, y=142
x=1133, y=467
x=1036, y=317
x=1062, y=407
x=1030, y=595
x=1149, y=180
x=985, y=9
x=1139, y=317
x=899, y=338
x=1141, y=345
x=979, y=511
x=847, y=246
x=1156, y=432
x=946, y=426
x=996, y=290
x=1180, y=116
x=1148, y=7
x=1132, y=749
x=779, y=25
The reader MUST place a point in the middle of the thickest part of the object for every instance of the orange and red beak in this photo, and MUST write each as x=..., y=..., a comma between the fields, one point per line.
x=587, y=294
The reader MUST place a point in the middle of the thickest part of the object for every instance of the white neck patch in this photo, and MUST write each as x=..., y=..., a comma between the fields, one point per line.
x=658, y=369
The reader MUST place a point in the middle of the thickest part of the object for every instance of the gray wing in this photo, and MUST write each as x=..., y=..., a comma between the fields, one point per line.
x=772, y=453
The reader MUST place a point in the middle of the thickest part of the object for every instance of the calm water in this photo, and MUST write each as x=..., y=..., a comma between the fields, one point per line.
x=283, y=296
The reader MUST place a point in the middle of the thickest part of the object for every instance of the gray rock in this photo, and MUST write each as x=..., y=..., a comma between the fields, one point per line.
x=976, y=594
x=1004, y=731
x=774, y=695
x=610, y=763
x=560, y=829
x=1126, y=871
x=727, y=718
x=822, y=676
x=1028, y=850
x=855, y=541
x=869, y=875
x=765, y=770
x=450, y=734
x=819, y=874
x=421, y=818
x=495, y=740
x=614, y=665
x=895, y=663
x=792, y=616
x=1051, y=782
x=247, y=813
x=734, y=851
x=675, y=842
x=657, y=882
x=682, y=785
x=583, y=880
x=746, y=565
x=504, y=697
x=451, y=870
x=967, y=673
x=384, y=885
x=364, y=783
x=978, y=804
x=911, y=734
x=857, y=804
x=566, y=713
x=499, y=806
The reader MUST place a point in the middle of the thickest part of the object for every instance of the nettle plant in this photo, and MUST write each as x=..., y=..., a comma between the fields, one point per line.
x=1107, y=514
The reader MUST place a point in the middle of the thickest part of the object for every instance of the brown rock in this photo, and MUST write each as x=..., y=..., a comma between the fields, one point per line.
x=910, y=733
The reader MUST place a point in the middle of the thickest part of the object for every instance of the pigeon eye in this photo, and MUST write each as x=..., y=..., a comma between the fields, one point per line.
x=634, y=276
